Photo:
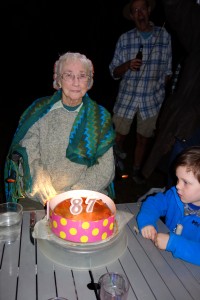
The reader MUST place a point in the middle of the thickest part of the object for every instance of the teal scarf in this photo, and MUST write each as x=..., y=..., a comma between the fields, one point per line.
x=91, y=136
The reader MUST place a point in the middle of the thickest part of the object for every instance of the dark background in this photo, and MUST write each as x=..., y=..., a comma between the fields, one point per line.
x=36, y=32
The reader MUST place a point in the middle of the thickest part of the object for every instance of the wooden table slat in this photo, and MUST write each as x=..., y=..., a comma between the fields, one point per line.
x=9, y=270
x=27, y=270
x=65, y=282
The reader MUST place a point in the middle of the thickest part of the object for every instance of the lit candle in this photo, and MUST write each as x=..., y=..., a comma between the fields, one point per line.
x=47, y=204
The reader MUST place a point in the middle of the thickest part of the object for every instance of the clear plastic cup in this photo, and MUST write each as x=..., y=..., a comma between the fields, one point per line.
x=10, y=221
x=58, y=298
x=113, y=286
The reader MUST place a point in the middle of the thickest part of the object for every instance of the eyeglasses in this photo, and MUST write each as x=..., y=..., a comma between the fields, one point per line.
x=139, y=10
x=70, y=77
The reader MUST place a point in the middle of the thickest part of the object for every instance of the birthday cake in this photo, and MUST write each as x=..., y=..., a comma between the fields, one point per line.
x=82, y=216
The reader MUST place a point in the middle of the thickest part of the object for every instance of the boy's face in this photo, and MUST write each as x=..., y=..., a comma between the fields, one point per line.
x=188, y=187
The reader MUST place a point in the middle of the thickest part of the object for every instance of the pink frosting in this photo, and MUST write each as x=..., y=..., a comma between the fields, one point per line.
x=81, y=232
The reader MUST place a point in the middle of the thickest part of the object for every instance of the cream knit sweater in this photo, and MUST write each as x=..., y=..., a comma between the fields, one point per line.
x=52, y=173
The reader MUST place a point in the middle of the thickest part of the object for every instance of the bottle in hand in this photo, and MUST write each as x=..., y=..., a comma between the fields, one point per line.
x=139, y=54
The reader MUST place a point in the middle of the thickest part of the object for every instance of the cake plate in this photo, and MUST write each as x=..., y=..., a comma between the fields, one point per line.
x=85, y=256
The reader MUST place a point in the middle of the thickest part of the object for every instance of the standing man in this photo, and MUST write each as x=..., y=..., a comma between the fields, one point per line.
x=142, y=86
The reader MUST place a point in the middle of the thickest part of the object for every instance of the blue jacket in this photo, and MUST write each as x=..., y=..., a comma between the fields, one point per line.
x=185, y=246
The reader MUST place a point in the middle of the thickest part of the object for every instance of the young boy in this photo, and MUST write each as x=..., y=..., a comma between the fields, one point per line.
x=180, y=206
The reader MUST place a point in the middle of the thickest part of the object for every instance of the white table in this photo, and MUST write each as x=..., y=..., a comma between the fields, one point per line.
x=27, y=274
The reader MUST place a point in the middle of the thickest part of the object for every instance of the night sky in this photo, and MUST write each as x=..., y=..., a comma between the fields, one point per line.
x=38, y=31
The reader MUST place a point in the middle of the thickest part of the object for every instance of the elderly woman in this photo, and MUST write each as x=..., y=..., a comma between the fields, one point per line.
x=63, y=142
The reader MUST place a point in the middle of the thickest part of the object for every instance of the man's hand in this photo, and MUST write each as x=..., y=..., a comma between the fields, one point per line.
x=135, y=64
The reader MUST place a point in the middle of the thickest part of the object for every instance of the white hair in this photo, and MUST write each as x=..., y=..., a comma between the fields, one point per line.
x=70, y=57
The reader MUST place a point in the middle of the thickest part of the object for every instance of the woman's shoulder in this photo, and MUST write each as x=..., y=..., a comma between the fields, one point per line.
x=88, y=101
x=38, y=108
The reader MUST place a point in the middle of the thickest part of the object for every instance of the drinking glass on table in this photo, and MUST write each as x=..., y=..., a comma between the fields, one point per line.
x=10, y=221
x=113, y=286
x=57, y=298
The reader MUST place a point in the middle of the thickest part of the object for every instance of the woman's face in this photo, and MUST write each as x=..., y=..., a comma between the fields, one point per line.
x=188, y=187
x=74, y=83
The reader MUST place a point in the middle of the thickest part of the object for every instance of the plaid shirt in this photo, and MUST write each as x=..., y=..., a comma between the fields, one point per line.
x=142, y=90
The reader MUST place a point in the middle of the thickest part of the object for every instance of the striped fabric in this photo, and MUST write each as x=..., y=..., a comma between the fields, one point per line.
x=143, y=89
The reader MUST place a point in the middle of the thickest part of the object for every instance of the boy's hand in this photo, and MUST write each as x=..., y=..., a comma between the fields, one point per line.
x=161, y=240
x=149, y=232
